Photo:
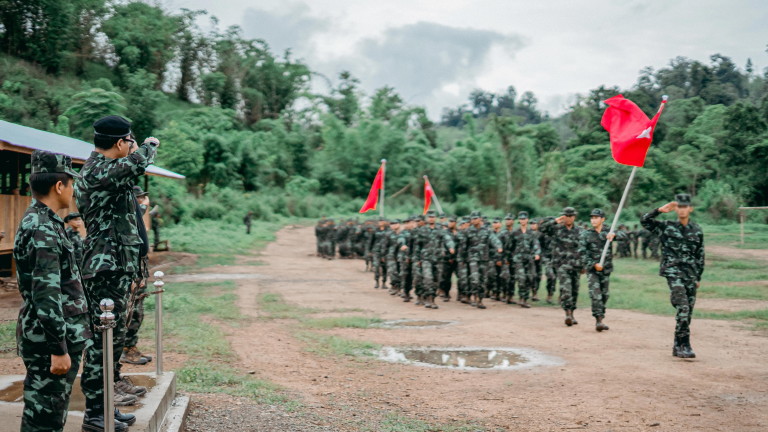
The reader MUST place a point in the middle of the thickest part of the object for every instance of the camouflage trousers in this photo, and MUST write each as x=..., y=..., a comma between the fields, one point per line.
x=430, y=273
x=417, y=278
x=406, y=277
x=598, y=292
x=115, y=286
x=525, y=277
x=134, y=322
x=682, y=294
x=345, y=248
x=477, y=271
x=569, y=287
x=549, y=272
x=379, y=269
x=447, y=270
x=462, y=278
x=393, y=272
x=536, y=278
x=497, y=277
x=46, y=396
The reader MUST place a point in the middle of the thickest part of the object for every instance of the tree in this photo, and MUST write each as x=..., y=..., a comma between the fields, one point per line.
x=90, y=105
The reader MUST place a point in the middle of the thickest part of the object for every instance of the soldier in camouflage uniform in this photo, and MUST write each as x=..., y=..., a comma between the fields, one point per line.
x=369, y=237
x=634, y=240
x=448, y=266
x=432, y=240
x=405, y=244
x=391, y=250
x=415, y=257
x=654, y=243
x=568, y=266
x=644, y=236
x=379, y=254
x=115, y=243
x=682, y=264
x=74, y=222
x=524, y=251
x=131, y=353
x=534, y=224
x=53, y=328
x=495, y=264
x=547, y=267
x=480, y=240
x=319, y=237
x=462, y=272
x=508, y=269
x=591, y=246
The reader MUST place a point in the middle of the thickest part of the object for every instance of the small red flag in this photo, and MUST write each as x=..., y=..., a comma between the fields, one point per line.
x=630, y=129
x=428, y=194
x=373, y=195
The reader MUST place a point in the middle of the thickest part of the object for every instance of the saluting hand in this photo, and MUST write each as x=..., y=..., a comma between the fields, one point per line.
x=60, y=364
x=560, y=219
x=152, y=140
x=668, y=207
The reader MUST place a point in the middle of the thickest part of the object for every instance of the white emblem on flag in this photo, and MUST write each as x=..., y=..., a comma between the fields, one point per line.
x=646, y=133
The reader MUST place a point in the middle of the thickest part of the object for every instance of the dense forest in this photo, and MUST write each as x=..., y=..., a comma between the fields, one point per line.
x=242, y=123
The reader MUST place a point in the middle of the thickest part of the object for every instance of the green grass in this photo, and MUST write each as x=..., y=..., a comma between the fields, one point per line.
x=209, y=237
x=341, y=322
x=397, y=423
x=273, y=307
x=330, y=345
x=8, y=337
x=755, y=235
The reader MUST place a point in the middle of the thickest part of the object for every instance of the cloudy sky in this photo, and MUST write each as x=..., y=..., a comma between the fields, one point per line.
x=434, y=52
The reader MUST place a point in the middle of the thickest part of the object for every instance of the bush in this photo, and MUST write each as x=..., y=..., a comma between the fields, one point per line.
x=206, y=209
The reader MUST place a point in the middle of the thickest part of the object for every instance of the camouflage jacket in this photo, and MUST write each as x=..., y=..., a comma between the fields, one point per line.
x=54, y=315
x=682, y=247
x=404, y=238
x=591, y=244
x=106, y=201
x=77, y=243
x=378, y=247
x=432, y=242
x=462, y=246
x=523, y=246
x=564, y=243
x=389, y=245
x=481, y=240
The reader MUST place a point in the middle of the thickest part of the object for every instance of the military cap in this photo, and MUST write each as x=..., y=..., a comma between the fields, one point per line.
x=47, y=162
x=597, y=212
x=683, y=199
x=383, y=219
x=73, y=215
x=496, y=219
x=414, y=217
x=535, y=221
x=442, y=215
x=475, y=215
x=139, y=192
x=112, y=126
x=509, y=217
x=431, y=213
x=569, y=211
x=522, y=215
x=465, y=220
x=452, y=219
x=395, y=221
x=485, y=218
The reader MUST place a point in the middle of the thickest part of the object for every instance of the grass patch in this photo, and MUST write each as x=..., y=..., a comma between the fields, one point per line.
x=330, y=345
x=209, y=237
x=398, y=423
x=755, y=235
x=274, y=307
x=8, y=337
x=341, y=322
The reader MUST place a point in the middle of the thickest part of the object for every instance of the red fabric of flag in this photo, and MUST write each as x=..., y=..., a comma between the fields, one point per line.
x=630, y=129
x=428, y=194
x=373, y=195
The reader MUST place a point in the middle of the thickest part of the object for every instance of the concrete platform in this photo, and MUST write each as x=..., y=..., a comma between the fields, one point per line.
x=150, y=411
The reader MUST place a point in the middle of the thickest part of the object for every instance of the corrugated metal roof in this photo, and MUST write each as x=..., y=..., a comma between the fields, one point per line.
x=30, y=139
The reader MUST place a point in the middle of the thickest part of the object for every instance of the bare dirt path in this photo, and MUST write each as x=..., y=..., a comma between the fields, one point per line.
x=737, y=253
x=621, y=380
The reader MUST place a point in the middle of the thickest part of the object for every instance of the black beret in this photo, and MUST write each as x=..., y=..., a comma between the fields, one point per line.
x=112, y=126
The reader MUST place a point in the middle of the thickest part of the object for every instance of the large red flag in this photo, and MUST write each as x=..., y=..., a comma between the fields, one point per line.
x=428, y=194
x=630, y=129
x=373, y=195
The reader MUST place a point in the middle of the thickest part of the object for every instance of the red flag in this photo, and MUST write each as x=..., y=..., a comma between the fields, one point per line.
x=428, y=194
x=373, y=195
x=630, y=129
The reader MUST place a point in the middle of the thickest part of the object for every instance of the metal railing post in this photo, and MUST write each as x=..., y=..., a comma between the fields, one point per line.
x=107, y=319
x=159, y=284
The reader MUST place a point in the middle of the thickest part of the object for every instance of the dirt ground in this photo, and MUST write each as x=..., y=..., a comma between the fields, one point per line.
x=623, y=379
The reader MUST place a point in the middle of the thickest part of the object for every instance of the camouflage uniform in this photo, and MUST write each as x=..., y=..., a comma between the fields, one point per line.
x=415, y=257
x=449, y=266
x=391, y=251
x=462, y=272
x=113, y=248
x=523, y=247
x=138, y=294
x=53, y=319
x=379, y=253
x=77, y=243
x=682, y=264
x=479, y=241
x=432, y=242
x=591, y=245
x=547, y=269
x=405, y=238
x=565, y=259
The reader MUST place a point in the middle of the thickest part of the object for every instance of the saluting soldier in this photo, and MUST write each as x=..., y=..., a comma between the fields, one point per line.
x=568, y=267
x=53, y=327
x=682, y=264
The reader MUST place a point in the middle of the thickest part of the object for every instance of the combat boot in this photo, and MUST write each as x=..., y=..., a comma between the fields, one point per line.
x=124, y=399
x=376, y=286
x=125, y=385
x=133, y=356
x=599, y=325
x=480, y=304
x=96, y=424
x=568, y=318
x=549, y=299
x=432, y=303
x=677, y=348
x=128, y=419
x=419, y=300
x=524, y=304
x=685, y=345
x=573, y=317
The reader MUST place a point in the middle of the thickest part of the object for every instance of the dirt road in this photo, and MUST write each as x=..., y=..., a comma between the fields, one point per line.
x=623, y=379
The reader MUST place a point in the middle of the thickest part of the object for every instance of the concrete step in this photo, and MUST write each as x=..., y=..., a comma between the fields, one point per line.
x=150, y=411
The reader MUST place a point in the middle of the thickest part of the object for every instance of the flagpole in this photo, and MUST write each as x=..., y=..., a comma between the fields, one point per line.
x=624, y=198
x=383, y=183
x=434, y=196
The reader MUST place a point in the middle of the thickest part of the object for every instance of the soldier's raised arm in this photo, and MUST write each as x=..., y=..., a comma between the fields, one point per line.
x=125, y=170
x=649, y=222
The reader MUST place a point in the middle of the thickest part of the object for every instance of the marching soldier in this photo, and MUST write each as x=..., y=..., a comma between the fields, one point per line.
x=405, y=244
x=391, y=249
x=449, y=265
x=591, y=246
x=432, y=240
x=525, y=251
x=379, y=254
x=682, y=264
x=479, y=241
x=462, y=271
x=567, y=263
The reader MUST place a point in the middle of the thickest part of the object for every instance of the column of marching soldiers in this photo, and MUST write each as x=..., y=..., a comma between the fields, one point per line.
x=501, y=259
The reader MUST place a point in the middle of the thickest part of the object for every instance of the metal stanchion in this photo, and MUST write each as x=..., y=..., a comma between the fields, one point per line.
x=107, y=324
x=159, y=321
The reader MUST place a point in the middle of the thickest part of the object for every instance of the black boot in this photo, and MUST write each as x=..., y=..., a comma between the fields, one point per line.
x=685, y=343
x=96, y=424
x=677, y=348
x=128, y=419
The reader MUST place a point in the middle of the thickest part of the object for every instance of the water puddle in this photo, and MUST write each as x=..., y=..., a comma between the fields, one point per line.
x=207, y=277
x=13, y=392
x=407, y=323
x=470, y=358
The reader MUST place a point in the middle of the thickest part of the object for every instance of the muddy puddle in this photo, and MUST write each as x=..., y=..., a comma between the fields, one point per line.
x=469, y=358
x=409, y=323
x=13, y=392
x=207, y=277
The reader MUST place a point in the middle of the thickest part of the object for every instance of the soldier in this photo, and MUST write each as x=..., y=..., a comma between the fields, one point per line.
x=114, y=246
x=415, y=256
x=74, y=222
x=479, y=241
x=496, y=264
x=432, y=240
x=391, y=249
x=405, y=244
x=644, y=237
x=247, y=220
x=634, y=240
x=534, y=223
x=591, y=246
x=547, y=267
x=566, y=261
x=654, y=242
x=682, y=264
x=508, y=269
x=330, y=239
x=369, y=238
x=462, y=272
x=379, y=254
x=53, y=327
x=449, y=265
x=131, y=353
x=525, y=251
x=319, y=237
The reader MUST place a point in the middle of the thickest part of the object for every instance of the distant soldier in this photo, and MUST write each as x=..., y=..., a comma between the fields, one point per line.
x=53, y=327
x=248, y=220
x=462, y=271
x=379, y=254
x=405, y=243
x=391, y=249
x=329, y=239
x=319, y=237
x=415, y=256
x=654, y=243
x=567, y=263
x=525, y=251
x=432, y=241
x=534, y=223
x=449, y=265
x=634, y=239
x=644, y=237
x=369, y=238
x=591, y=246
x=74, y=222
x=480, y=239
x=508, y=267
x=682, y=264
